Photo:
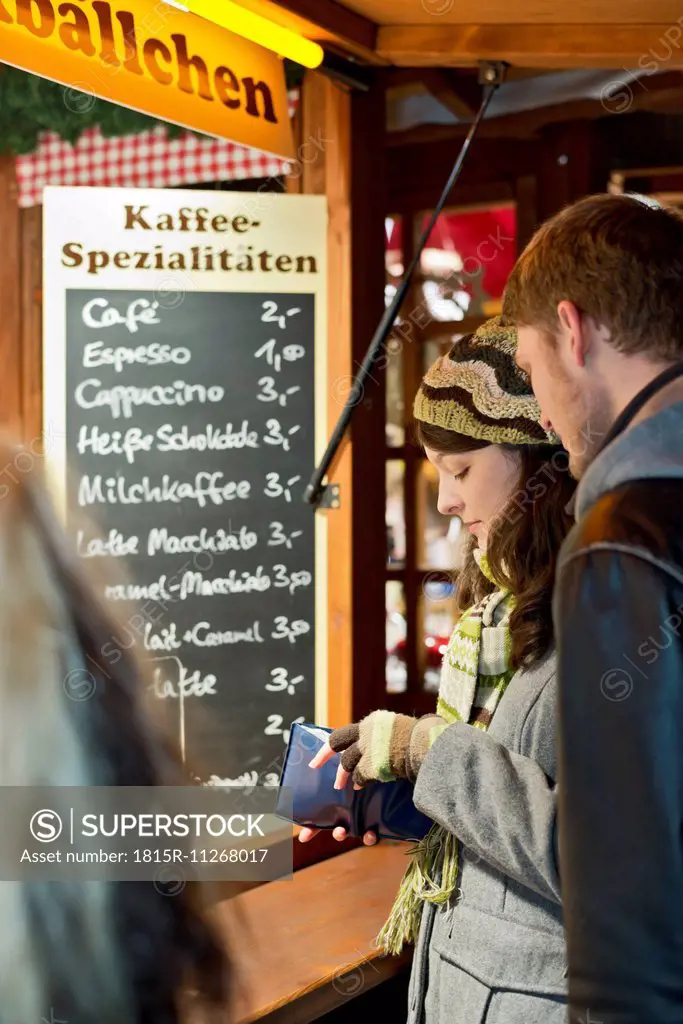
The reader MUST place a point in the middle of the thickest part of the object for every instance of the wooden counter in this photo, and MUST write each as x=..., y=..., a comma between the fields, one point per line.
x=304, y=946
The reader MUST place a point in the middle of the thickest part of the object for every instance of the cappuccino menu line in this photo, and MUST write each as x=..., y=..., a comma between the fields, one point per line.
x=190, y=432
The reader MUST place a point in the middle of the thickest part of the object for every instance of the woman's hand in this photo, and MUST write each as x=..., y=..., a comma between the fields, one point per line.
x=340, y=834
x=383, y=747
x=341, y=780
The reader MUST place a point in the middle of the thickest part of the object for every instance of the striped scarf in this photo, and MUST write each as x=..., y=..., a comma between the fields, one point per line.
x=474, y=676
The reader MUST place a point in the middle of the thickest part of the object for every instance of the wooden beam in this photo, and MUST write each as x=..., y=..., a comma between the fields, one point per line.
x=459, y=94
x=419, y=172
x=523, y=126
x=643, y=140
x=403, y=77
x=625, y=95
x=463, y=196
x=10, y=299
x=534, y=12
x=322, y=20
x=534, y=46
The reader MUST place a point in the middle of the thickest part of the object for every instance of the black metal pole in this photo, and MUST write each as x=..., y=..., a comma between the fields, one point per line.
x=491, y=75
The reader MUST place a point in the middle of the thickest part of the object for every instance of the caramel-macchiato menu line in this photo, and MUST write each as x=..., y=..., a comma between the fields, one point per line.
x=190, y=433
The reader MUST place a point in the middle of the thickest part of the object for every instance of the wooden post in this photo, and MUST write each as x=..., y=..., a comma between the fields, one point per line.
x=527, y=209
x=573, y=164
x=413, y=351
x=324, y=155
x=347, y=133
x=368, y=212
x=294, y=182
x=32, y=330
x=10, y=299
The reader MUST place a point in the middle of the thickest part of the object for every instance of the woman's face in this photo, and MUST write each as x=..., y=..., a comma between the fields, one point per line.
x=475, y=486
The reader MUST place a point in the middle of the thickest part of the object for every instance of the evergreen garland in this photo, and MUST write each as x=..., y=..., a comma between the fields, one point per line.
x=30, y=104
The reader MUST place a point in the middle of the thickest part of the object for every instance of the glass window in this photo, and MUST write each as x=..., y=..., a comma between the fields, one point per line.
x=395, y=420
x=437, y=618
x=439, y=537
x=393, y=258
x=431, y=350
x=467, y=261
x=395, y=514
x=396, y=675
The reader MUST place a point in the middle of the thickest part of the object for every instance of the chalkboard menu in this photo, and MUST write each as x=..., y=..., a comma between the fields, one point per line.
x=189, y=422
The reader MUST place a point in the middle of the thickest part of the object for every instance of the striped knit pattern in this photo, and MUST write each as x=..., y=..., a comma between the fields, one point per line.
x=380, y=745
x=475, y=669
x=478, y=390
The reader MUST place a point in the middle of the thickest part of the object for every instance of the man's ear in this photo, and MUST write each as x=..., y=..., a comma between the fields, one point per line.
x=573, y=329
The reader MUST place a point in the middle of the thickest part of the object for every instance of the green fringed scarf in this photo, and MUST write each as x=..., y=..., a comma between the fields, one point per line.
x=474, y=675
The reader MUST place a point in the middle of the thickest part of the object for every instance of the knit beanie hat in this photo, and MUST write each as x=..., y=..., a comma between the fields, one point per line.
x=478, y=390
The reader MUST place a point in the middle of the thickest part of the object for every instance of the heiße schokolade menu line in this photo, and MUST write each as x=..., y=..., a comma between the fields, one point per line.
x=189, y=435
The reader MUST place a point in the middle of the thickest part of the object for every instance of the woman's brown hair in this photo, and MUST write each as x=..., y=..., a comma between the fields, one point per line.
x=524, y=541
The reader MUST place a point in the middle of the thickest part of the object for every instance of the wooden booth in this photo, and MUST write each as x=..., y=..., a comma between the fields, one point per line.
x=592, y=101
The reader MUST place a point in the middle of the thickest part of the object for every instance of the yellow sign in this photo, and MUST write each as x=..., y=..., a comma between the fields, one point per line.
x=150, y=56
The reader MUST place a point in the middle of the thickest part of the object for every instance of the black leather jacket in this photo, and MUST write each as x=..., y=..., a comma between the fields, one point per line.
x=619, y=622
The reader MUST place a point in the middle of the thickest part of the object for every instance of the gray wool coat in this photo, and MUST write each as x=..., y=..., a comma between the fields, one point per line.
x=496, y=954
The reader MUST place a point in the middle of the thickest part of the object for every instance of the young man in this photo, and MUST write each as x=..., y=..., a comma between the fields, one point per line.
x=597, y=296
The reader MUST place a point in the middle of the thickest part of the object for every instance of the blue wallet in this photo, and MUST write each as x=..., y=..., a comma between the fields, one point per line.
x=385, y=808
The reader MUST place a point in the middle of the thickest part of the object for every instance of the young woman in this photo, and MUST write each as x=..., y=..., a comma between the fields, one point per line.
x=481, y=897
x=74, y=950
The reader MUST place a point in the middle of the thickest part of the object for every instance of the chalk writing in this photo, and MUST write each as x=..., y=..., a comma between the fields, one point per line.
x=191, y=426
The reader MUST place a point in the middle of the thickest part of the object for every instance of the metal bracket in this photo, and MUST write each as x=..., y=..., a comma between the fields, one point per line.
x=330, y=496
x=347, y=71
x=492, y=72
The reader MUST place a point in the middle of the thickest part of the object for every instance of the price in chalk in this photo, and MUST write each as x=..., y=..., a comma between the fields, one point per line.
x=272, y=315
x=274, y=727
x=275, y=356
x=269, y=392
x=259, y=569
x=278, y=536
x=275, y=489
x=276, y=437
x=280, y=682
x=286, y=630
x=291, y=580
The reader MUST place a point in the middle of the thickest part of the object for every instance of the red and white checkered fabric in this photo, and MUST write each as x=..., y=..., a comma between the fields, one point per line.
x=149, y=159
